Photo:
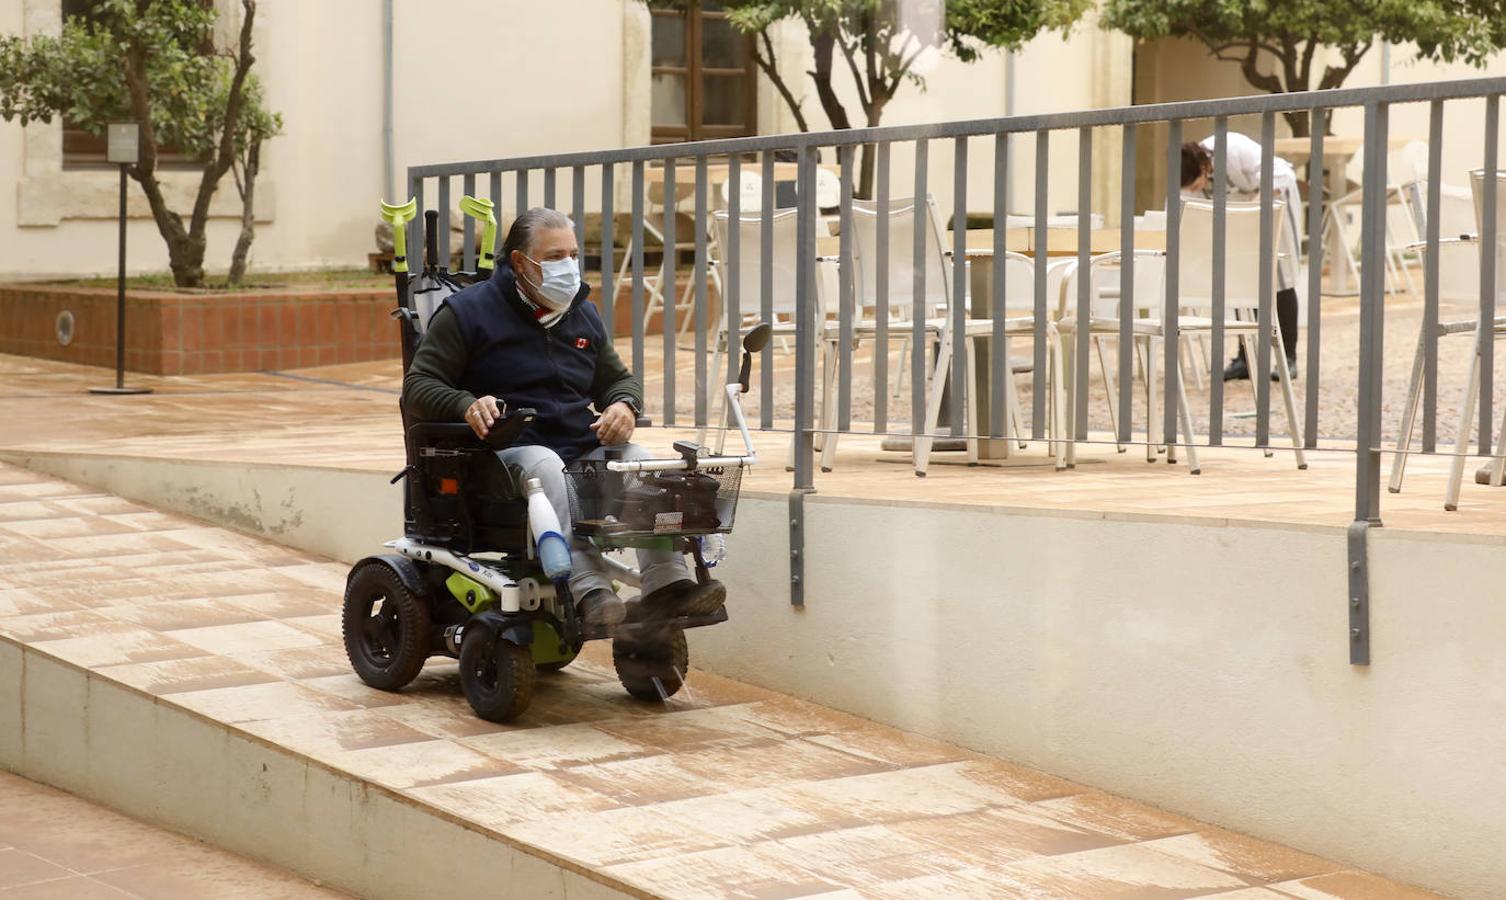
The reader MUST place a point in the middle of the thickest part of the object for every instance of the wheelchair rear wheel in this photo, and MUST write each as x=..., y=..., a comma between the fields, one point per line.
x=385, y=626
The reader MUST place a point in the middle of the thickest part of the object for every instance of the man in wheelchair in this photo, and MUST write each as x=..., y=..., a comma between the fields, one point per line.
x=528, y=337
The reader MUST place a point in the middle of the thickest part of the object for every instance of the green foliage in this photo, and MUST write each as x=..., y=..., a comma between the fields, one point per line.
x=78, y=75
x=1450, y=30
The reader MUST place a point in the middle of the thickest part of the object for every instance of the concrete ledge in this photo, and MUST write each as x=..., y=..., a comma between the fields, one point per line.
x=81, y=732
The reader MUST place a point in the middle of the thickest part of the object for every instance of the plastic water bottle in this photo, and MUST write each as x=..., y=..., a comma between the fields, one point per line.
x=554, y=550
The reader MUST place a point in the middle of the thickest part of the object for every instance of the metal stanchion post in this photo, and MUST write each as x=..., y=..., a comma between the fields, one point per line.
x=124, y=149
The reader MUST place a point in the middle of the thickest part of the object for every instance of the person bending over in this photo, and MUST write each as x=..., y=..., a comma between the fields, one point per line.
x=529, y=337
x=1243, y=157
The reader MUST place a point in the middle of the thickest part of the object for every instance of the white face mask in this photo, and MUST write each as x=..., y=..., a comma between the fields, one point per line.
x=561, y=282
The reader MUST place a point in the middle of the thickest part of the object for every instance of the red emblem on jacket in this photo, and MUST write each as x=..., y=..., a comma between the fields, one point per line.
x=581, y=343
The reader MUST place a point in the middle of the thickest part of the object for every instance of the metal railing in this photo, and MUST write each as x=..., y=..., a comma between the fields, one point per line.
x=905, y=312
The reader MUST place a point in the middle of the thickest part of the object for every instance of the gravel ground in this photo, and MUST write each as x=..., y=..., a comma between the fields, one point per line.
x=1337, y=393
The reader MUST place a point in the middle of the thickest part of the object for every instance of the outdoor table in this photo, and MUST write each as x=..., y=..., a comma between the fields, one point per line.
x=1060, y=242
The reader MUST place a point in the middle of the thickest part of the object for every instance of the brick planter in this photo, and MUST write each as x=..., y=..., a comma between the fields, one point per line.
x=170, y=333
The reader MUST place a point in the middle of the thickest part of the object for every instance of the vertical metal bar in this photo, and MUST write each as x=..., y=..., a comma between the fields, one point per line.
x=732, y=284
x=1372, y=273
x=958, y=307
x=1126, y=283
x=468, y=252
x=766, y=290
x=1262, y=367
x=1430, y=277
x=805, y=335
x=668, y=318
x=1042, y=312
x=1318, y=125
x=444, y=222
x=608, y=249
x=549, y=187
x=496, y=195
x=918, y=297
x=881, y=302
x=1084, y=283
x=637, y=252
x=845, y=298
x=1219, y=286
x=578, y=212
x=1488, y=250
x=999, y=302
x=701, y=379
x=1170, y=313
x=416, y=236
x=1359, y=594
x=521, y=183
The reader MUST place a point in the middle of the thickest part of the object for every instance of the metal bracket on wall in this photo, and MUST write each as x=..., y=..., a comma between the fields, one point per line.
x=797, y=546
x=1359, y=595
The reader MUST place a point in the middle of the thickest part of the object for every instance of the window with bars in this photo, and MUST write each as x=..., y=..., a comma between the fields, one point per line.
x=704, y=77
x=82, y=150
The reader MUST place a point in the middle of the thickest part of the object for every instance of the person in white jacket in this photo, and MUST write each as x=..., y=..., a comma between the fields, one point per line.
x=1243, y=157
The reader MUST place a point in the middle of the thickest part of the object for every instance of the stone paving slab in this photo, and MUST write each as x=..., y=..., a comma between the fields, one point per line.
x=725, y=791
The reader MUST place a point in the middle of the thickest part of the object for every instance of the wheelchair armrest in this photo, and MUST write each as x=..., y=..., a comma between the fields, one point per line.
x=502, y=434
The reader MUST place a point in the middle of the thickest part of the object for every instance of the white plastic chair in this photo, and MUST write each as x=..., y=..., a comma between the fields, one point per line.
x=1461, y=326
x=1195, y=279
x=784, y=224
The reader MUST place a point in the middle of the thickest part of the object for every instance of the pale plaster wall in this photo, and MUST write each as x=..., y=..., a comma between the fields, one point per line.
x=474, y=80
x=1198, y=665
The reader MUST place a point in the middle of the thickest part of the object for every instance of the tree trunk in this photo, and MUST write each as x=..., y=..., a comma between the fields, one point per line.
x=867, y=170
x=248, y=216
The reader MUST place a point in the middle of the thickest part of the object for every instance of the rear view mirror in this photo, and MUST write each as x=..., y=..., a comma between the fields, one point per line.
x=757, y=338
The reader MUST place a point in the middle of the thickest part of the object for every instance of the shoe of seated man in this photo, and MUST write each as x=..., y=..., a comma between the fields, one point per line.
x=683, y=598
x=1291, y=365
x=601, y=607
x=1238, y=369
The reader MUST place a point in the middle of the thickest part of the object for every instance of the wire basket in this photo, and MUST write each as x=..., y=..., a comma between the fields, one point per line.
x=651, y=504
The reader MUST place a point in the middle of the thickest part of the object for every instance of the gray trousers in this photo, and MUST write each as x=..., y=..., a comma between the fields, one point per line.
x=658, y=568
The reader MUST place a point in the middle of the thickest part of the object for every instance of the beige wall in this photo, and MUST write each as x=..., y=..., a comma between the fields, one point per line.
x=481, y=80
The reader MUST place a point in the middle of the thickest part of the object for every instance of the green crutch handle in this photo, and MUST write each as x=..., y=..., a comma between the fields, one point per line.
x=480, y=208
x=399, y=217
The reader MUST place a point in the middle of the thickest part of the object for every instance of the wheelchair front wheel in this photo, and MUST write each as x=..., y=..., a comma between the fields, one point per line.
x=652, y=668
x=497, y=675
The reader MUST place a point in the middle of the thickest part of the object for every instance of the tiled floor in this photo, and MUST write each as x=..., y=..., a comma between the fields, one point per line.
x=726, y=791
x=345, y=417
x=54, y=846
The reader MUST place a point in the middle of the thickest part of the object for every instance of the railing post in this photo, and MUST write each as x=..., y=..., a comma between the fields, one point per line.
x=1367, y=439
x=805, y=380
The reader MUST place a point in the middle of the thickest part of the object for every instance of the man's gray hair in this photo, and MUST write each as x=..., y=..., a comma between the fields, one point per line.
x=525, y=227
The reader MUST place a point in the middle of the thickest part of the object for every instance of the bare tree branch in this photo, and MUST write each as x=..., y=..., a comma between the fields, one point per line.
x=220, y=163
x=770, y=67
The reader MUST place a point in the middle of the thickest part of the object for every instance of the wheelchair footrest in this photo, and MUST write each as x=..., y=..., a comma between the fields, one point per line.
x=650, y=628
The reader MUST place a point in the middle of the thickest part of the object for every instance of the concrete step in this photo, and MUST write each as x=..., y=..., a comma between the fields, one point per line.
x=193, y=677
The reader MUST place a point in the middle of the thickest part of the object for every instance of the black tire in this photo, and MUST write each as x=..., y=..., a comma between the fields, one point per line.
x=652, y=669
x=496, y=675
x=385, y=626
